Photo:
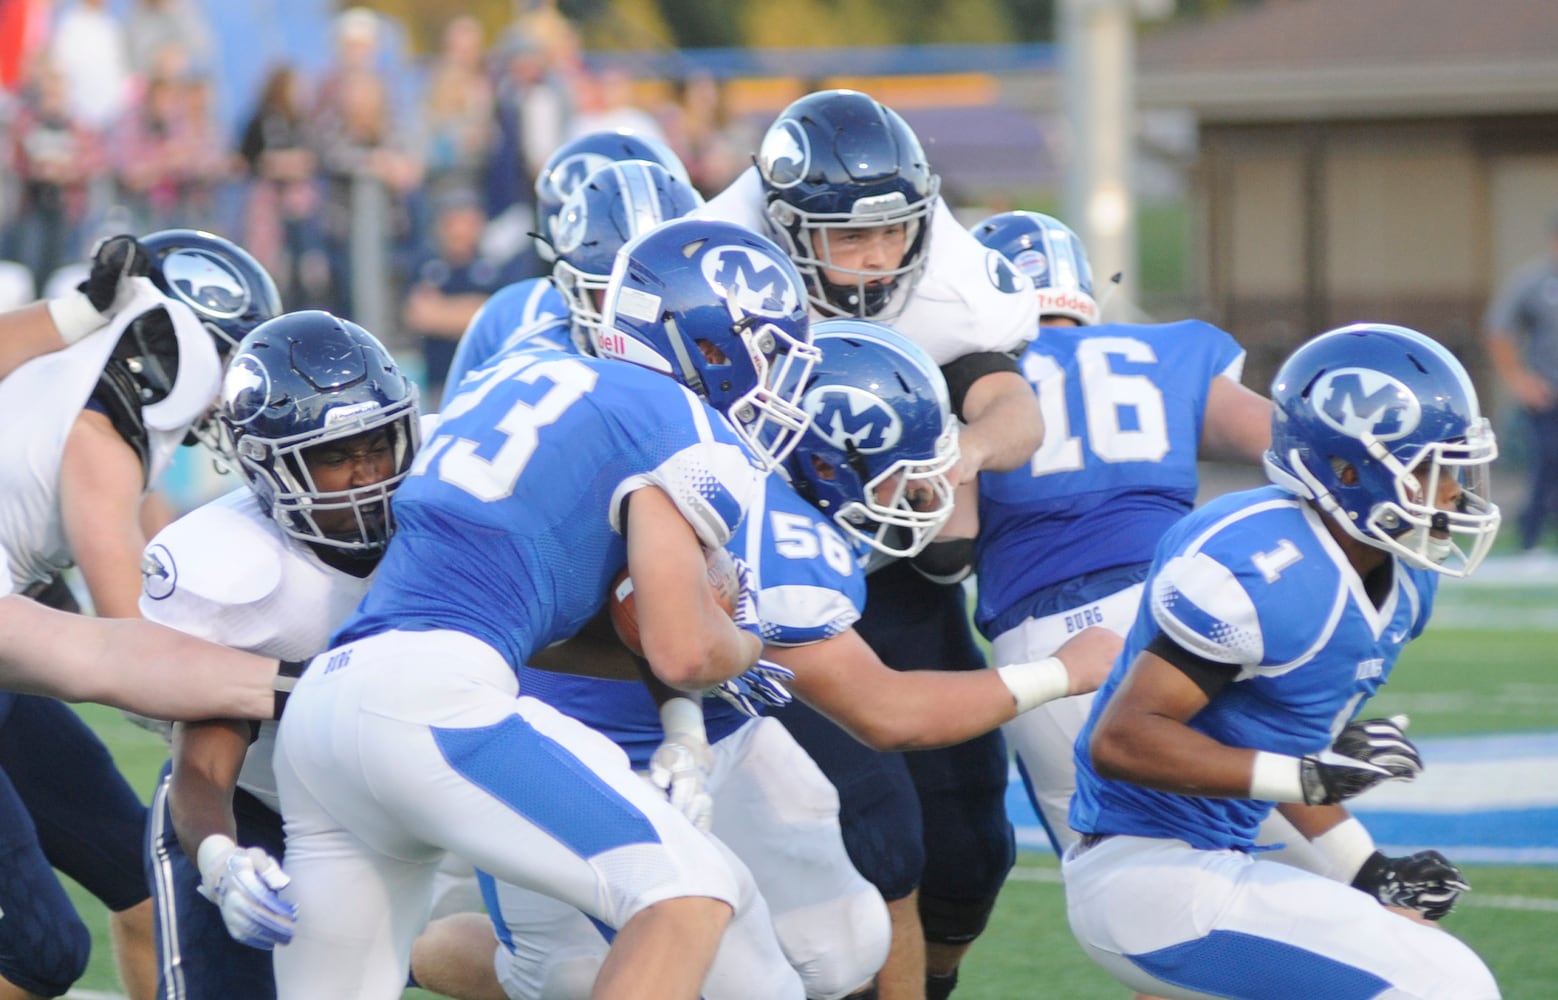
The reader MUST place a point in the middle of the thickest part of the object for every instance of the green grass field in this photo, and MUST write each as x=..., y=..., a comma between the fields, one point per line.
x=1479, y=674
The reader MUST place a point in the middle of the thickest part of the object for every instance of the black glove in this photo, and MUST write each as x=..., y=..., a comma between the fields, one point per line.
x=1329, y=778
x=115, y=260
x=1426, y=882
x=1383, y=743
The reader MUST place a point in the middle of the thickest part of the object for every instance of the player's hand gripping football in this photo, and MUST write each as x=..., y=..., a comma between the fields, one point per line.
x=1363, y=754
x=245, y=883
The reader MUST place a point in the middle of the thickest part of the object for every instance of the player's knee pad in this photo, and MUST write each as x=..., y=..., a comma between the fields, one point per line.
x=954, y=921
x=43, y=943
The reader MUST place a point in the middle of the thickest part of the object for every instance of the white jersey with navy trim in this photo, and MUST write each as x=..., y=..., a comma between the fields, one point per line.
x=529, y=312
x=509, y=529
x=225, y=572
x=1124, y=406
x=40, y=402
x=1255, y=580
x=968, y=299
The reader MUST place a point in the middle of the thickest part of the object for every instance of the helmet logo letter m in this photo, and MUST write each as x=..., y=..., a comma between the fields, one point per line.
x=845, y=415
x=1359, y=401
x=753, y=282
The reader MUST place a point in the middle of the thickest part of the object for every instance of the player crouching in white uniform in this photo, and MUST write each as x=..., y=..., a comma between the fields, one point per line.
x=1269, y=617
x=323, y=426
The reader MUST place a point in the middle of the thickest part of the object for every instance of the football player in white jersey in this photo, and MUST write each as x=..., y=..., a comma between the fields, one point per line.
x=842, y=182
x=323, y=426
x=103, y=418
x=1269, y=617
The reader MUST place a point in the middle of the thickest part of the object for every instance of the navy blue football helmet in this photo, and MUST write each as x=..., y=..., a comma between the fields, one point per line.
x=1367, y=422
x=614, y=204
x=1046, y=250
x=307, y=379
x=575, y=160
x=723, y=311
x=882, y=441
x=229, y=291
x=838, y=160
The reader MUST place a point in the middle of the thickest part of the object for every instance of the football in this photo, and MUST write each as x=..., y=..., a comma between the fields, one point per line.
x=724, y=582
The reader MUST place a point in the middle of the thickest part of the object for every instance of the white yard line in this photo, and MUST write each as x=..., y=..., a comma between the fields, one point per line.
x=1538, y=904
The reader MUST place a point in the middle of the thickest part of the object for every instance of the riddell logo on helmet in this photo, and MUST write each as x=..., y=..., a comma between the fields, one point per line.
x=611, y=344
x=1053, y=302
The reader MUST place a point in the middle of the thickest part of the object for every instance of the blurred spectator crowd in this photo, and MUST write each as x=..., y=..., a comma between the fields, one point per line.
x=108, y=124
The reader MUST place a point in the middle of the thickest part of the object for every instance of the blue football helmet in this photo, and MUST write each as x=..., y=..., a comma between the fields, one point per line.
x=575, y=160
x=228, y=290
x=1367, y=420
x=619, y=201
x=723, y=311
x=306, y=379
x=1046, y=250
x=838, y=160
x=882, y=440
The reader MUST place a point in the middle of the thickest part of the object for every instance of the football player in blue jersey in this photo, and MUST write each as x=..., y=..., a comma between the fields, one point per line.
x=1064, y=543
x=525, y=310
x=103, y=419
x=1268, y=618
x=870, y=473
x=548, y=474
x=843, y=183
x=322, y=425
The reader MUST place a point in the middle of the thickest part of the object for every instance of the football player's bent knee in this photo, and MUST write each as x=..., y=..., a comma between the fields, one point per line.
x=954, y=921
x=43, y=952
x=850, y=959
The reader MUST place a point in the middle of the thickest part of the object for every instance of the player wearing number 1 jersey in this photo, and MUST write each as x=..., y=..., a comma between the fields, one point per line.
x=1269, y=617
x=1065, y=542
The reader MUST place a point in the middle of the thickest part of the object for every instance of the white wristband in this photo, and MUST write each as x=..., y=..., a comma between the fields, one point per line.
x=1276, y=777
x=1345, y=846
x=212, y=856
x=1032, y=684
x=74, y=316
x=683, y=717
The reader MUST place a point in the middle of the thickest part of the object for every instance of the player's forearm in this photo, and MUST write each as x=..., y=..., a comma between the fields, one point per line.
x=26, y=333
x=1165, y=754
x=1003, y=426
x=165, y=674
x=207, y=757
x=924, y=709
x=692, y=663
x=130, y=664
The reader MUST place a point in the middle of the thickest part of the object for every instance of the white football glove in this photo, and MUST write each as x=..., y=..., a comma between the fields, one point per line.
x=245, y=883
x=681, y=764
